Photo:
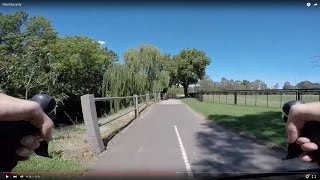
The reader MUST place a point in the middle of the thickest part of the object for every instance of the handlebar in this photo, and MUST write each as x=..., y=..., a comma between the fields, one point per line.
x=12, y=132
x=310, y=130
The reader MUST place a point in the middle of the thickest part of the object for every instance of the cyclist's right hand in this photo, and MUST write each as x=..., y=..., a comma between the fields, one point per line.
x=299, y=114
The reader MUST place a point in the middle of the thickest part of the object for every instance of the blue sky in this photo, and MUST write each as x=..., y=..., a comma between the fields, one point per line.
x=274, y=44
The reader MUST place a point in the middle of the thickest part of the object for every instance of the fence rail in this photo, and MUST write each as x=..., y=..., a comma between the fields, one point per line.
x=111, y=98
x=261, y=98
x=89, y=111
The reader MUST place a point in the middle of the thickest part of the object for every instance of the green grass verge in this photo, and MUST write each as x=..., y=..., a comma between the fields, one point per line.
x=67, y=150
x=41, y=164
x=263, y=123
x=70, y=149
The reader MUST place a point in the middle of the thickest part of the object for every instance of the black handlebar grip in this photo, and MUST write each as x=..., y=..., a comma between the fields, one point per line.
x=12, y=132
x=310, y=130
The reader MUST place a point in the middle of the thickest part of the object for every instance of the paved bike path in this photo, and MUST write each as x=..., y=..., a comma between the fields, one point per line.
x=172, y=139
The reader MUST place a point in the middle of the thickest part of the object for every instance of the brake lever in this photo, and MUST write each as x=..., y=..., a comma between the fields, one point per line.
x=311, y=130
x=12, y=132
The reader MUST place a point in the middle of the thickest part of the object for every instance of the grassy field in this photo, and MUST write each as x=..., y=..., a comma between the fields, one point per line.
x=260, y=122
x=259, y=100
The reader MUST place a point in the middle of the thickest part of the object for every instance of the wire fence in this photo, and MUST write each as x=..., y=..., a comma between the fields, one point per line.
x=261, y=98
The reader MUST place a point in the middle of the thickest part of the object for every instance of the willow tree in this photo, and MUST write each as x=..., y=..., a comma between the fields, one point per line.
x=148, y=60
x=120, y=80
x=143, y=72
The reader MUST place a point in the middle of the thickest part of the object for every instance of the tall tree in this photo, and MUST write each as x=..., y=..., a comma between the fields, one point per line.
x=32, y=72
x=238, y=85
x=148, y=60
x=11, y=44
x=307, y=85
x=39, y=27
x=34, y=59
x=287, y=85
x=78, y=60
x=231, y=85
x=247, y=84
x=12, y=34
x=171, y=66
x=258, y=85
x=206, y=84
x=224, y=83
x=191, y=64
x=276, y=86
x=144, y=71
x=120, y=80
x=29, y=69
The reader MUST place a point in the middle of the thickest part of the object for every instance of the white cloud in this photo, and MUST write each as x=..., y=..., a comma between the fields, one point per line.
x=102, y=43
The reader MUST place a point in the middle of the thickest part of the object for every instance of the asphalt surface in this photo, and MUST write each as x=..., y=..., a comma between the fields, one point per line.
x=170, y=139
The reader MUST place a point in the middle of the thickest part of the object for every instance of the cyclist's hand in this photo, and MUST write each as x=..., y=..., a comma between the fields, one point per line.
x=299, y=114
x=14, y=109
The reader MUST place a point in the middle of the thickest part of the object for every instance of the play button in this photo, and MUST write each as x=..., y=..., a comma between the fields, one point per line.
x=7, y=176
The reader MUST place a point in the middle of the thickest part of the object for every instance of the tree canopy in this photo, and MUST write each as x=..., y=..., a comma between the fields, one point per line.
x=143, y=72
x=25, y=55
x=34, y=59
x=190, y=65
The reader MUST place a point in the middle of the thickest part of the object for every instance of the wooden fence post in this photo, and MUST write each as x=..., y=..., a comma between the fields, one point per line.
x=213, y=97
x=245, y=98
x=91, y=122
x=298, y=95
x=235, y=98
x=267, y=99
x=281, y=93
x=136, y=106
x=226, y=97
x=255, y=98
x=147, y=98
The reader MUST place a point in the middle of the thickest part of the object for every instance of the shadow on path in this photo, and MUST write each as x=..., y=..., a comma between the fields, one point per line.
x=226, y=151
x=265, y=126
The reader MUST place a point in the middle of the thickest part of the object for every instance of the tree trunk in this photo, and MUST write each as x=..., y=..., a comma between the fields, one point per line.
x=26, y=93
x=185, y=87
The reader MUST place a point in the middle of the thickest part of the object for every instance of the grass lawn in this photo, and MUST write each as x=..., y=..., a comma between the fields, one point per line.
x=261, y=122
x=259, y=100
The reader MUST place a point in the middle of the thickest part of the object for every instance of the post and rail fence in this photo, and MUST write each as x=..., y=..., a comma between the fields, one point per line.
x=260, y=98
x=91, y=120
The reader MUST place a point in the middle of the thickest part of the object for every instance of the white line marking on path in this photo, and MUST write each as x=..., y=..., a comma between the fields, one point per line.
x=184, y=154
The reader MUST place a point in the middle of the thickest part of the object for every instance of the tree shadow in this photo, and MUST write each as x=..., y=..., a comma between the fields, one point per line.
x=225, y=150
x=263, y=127
x=107, y=139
